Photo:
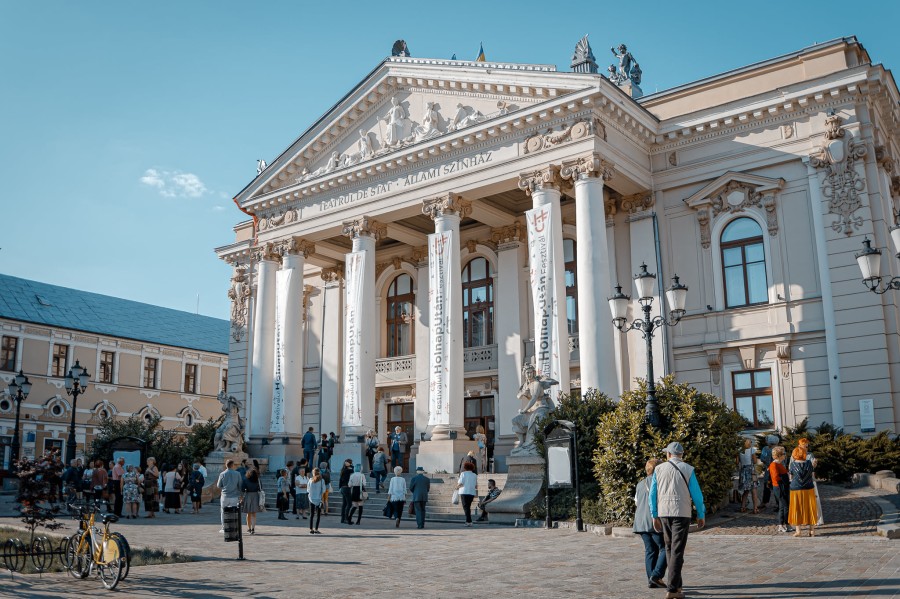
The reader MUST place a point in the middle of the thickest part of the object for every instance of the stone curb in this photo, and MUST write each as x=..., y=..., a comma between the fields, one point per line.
x=889, y=525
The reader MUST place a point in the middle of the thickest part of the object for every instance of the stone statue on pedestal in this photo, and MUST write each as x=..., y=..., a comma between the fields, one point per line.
x=536, y=390
x=629, y=72
x=230, y=434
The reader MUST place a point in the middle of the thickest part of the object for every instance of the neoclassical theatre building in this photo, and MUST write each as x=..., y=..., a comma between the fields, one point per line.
x=447, y=222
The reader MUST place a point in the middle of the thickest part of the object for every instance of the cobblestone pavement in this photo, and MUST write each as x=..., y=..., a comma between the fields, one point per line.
x=449, y=560
x=845, y=511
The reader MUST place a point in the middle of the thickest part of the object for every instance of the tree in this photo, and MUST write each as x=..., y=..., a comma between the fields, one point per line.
x=708, y=430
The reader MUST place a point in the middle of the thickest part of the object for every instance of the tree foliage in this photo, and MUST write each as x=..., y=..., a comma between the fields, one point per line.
x=38, y=485
x=708, y=430
x=166, y=445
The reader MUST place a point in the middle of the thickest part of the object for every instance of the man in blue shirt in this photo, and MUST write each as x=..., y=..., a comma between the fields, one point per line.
x=398, y=446
x=673, y=486
x=309, y=443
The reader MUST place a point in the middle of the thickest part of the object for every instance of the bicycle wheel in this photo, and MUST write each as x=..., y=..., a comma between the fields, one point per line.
x=41, y=553
x=14, y=555
x=113, y=560
x=124, y=542
x=77, y=562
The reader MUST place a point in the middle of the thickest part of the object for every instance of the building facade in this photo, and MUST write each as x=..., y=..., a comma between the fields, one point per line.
x=405, y=252
x=143, y=360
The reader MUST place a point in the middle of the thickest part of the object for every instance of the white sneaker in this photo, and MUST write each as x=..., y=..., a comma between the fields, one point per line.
x=222, y=531
x=781, y=528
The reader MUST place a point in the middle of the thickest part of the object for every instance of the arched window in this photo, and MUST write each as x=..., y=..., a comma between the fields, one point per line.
x=571, y=285
x=744, y=264
x=400, y=300
x=478, y=303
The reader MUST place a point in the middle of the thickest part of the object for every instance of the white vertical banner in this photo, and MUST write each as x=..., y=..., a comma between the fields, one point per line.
x=353, y=350
x=440, y=248
x=282, y=281
x=543, y=293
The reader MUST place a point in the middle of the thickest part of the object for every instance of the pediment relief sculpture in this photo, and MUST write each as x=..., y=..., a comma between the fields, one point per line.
x=842, y=185
x=279, y=219
x=566, y=133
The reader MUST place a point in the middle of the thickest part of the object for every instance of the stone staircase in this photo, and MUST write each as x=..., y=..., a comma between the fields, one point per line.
x=440, y=507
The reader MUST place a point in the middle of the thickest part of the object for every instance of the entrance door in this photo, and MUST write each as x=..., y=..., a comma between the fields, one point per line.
x=480, y=411
x=404, y=416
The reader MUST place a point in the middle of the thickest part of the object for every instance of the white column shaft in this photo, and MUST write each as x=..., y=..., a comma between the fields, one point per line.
x=332, y=334
x=643, y=249
x=550, y=196
x=508, y=334
x=422, y=345
x=292, y=369
x=263, y=349
x=597, y=356
x=442, y=224
x=368, y=321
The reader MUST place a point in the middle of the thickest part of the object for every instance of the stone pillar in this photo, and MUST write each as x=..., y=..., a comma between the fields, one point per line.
x=364, y=231
x=508, y=335
x=295, y=253
x=332, y=336
x=442, y=452
x=421, y=323
x=596, y=335
x=263, y=342
x=544, y=187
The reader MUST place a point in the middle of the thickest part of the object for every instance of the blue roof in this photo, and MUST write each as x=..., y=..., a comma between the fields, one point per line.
x=40, y=303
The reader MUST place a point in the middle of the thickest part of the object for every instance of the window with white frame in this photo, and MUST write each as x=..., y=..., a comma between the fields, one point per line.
x=744, y=263
x=753, y=398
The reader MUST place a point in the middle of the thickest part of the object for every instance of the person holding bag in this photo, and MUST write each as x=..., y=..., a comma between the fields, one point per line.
x=467, y=487
x=358, y=494
x=397, y=494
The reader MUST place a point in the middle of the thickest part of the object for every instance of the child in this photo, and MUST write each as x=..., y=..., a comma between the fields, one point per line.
x=301, y=482
x=778, y=474
x=316, y=489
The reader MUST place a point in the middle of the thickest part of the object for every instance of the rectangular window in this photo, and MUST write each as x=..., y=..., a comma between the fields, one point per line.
x=150, y=373
x=58, y=366
x=224, y=380
x=753, y=398
x=107, y=359
x=8, y=353
x=190, y=378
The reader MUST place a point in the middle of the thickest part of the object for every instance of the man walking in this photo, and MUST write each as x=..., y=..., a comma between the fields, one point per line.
x=229, y=483
x=398, y=446
x=309, y=443
x=419, y=486
x=673, y=486
x=344, y=486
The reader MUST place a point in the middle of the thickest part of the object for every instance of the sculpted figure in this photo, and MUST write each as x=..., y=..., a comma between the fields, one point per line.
x=430, y=122
x=464, y=118
x=230, y=434
x=238, y=295
x=625, y=61
x=334, y=161
x=260, y=166
x=536, y=390
x=396, y=123
x=365, y=146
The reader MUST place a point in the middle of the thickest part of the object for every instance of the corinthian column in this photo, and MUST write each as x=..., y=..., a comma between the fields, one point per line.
x=551, y=337
x=262, y=362
x=295, y=253
x=360, y=320
x=597, y=361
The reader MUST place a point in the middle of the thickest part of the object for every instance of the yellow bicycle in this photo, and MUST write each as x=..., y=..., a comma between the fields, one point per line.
x=93, y=549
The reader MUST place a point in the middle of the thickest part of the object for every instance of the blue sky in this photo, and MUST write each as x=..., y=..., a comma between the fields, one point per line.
x=126, y=127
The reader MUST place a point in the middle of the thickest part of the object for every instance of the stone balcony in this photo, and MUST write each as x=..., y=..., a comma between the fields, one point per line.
x=476, y=359
x=397, y=369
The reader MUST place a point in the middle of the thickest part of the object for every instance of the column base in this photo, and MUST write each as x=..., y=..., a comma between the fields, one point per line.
x=444, y=455
x=348, y=451
x=522, y=489
x=278, y=450
x=503, y=446
x=442, y=432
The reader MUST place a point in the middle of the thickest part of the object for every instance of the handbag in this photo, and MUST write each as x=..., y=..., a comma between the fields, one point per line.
x=363, y=494
x=455, y=499
x=387, y=512
x=262, y=499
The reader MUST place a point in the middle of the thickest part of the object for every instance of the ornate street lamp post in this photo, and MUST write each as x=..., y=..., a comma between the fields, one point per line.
x=676, y=295
x=869, y=260
x=19, y=389
x=76, y=384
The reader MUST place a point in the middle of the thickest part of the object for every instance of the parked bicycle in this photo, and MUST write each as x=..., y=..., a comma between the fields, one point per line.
x=96, y=550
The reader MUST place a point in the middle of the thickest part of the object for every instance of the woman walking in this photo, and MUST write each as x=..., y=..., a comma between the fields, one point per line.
x=803, y=494
x=654, y=546
x=746, y=460
x=371, y=446
x=481, y=439
x=250, y=498
x=195, y=488
x=467, y=485
x=316, y=491
x=358, y=495
x=151, y=488
x=397, y=494
x=379, y=468
x=131, y=492
x=301, y=493
x=173, y=491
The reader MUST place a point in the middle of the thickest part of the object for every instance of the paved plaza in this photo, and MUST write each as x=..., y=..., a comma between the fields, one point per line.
x=449, y=560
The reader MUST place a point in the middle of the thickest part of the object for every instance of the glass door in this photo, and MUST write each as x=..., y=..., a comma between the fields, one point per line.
x=402, y=415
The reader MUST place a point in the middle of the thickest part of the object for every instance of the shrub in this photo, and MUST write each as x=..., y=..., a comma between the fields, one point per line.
x=708, y=430
x=166, y=445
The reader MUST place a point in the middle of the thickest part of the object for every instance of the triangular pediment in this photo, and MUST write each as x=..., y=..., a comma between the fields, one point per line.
x=407, y=102
x=733, y=181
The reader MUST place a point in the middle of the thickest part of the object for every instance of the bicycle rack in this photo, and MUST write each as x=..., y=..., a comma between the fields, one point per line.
x=15, y=554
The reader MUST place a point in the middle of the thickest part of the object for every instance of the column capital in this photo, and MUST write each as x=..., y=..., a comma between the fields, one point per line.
x=590, y=165
x=268, y=252
x=448, y=203
x=420, y=255
x=363, y=226
x=638, y=202
x=296, y=246
x=542, y=178
x=508, y=235
x=333, y=274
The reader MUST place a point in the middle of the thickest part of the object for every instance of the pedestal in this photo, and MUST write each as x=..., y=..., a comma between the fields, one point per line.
x=444, y=455
x=282, y=448
x=352, y=451
x=522, y=489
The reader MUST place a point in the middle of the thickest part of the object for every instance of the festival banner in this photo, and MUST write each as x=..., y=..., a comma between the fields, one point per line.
x=353, y=350
x=543, y=293
x=282, y=281
x=440, y=280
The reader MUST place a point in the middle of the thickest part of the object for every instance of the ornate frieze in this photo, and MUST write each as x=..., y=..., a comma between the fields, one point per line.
x=284, y=217
x=783, y=352
x=448, y=203
x=639, y=202
x=552, y=138
x=609, y=208
x=703, y=220
x=308, y=291
x=547, y=177
x=508, y=234
x=364, y=226
x=842, y=184
x=420, y=255
x=333, y=274
x=239, y=294
x=590, y=165
x=714, y=361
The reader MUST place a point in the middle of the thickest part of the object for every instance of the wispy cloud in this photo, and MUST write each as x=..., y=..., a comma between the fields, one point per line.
x=174, y=184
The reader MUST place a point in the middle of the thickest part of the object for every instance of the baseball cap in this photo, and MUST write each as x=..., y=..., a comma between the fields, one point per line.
x=675, y=448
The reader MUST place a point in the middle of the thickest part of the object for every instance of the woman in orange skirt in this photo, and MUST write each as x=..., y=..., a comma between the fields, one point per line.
x=803, y=509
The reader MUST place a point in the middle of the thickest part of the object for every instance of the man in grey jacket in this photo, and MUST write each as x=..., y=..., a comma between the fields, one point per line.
x=672, y=488
x=229, y=483
x=419, y=486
